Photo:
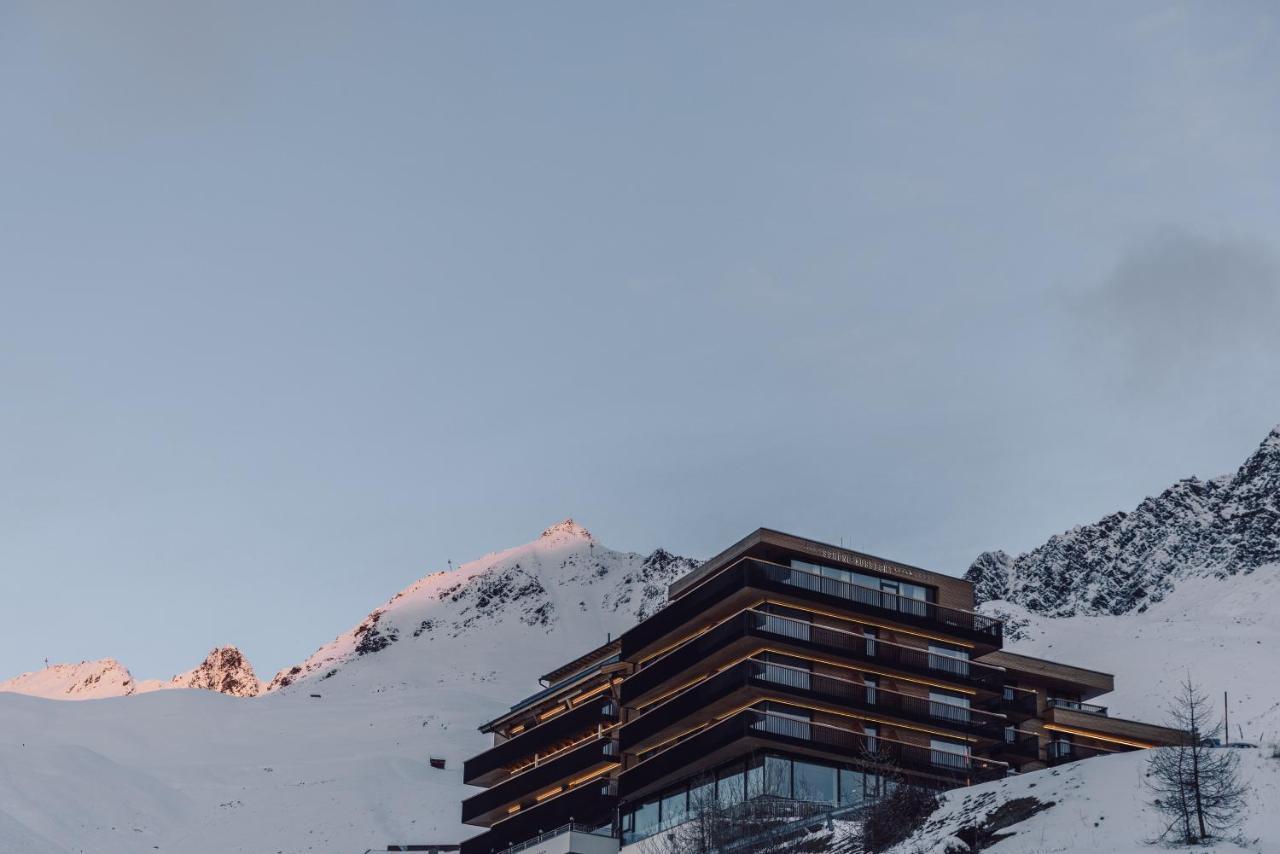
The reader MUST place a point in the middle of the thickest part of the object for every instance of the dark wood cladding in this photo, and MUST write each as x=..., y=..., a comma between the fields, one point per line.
x=751, y=579
x=481, y=769
x=1109, y=727
x=1026, y=670
x=751, y=681
x=750, y=730
x=766, y=542
x=751, y=631
x=481, y=808
x=592, y=803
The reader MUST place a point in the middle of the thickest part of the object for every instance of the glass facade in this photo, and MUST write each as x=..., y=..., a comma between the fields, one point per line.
x=769, y=776
x=899, y=595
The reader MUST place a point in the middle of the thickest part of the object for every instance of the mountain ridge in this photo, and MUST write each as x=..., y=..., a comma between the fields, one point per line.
x=1128, y=561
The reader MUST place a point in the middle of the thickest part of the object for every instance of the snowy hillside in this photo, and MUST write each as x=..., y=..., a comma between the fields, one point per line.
x=1099, y=805
x=1223, y=632
x=347, y=770
x=1127, y=561
x=1188, y=582
x=519, y=612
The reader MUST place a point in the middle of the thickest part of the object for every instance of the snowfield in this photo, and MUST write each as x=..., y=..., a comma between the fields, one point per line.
x=1224, y=632
x=205, y=773
x=1099, y=806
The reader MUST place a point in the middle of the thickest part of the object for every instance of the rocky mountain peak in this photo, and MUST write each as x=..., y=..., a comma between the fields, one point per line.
x=1126, y=561
x=225, y=670
x=565, y=531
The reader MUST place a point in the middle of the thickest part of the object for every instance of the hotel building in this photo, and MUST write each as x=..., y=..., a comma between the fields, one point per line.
x=782, y=669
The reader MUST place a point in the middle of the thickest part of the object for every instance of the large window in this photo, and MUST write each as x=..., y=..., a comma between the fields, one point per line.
x=702, y=794
x=949, y=659
x=893, y=593
x=791, y=671
x=675, y=808
x=814, y=782
x=730, y=787
x=948, y=754
x=858, y=787
x=949, y=706
x=645, y=819
x=788, y=622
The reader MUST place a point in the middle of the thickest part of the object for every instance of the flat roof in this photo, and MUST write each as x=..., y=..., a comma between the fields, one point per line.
x=1095, y=681
x=814, y=548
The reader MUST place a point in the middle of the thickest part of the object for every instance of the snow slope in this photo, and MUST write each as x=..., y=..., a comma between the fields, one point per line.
x=197, y=772
x=1099, y=806
x=1223, y=632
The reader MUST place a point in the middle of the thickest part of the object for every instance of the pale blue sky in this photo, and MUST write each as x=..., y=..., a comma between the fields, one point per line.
x=299, y=302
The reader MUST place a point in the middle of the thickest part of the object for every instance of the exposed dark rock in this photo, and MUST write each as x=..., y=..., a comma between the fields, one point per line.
x=1126, y=561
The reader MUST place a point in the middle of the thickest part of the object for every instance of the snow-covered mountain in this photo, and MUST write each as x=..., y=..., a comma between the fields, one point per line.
x=225, y=670
x=1189, y=582
x=551, y=599
x=1127, y=561
x=88, y=680
x=335, y=756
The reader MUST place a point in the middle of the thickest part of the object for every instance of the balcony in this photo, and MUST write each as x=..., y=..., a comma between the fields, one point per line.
x=490, y=805
x=1061, y=752
x=760, y=729
x=743, y=682
x=489, y=767
x=1020, y=745
x=1076, y=706
x=1018, y=703
x=765, y=577
x=588, y=806
x=805, y=636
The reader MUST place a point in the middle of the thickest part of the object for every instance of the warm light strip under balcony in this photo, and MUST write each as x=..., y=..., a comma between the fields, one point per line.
x=811, y=610
x=751, y=706
x=1110, y=739
x=589, y=694
x=808, y=657
x=813, y=708
x=541, y=759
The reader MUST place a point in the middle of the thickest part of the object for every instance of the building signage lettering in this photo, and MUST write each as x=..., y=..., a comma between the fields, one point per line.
x=864, y=562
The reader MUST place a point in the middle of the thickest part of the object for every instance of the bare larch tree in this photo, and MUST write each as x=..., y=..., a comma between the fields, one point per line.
x=1197, y=786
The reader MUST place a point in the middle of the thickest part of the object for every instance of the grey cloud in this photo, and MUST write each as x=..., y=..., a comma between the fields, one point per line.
x=1179, y=304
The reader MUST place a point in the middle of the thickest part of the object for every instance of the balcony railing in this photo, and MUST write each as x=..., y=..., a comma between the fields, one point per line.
x=956, y=767
x=805, y=685
x=1018, y=702
x=540, y=739
x=911, y=610
x=771, y=577
x=513, y=789
x=1018, y=743
x=839, y=642
x=571, y=827
x=1058, y=752
x=585, y=804
x=861, y=696
x=1076, y=706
